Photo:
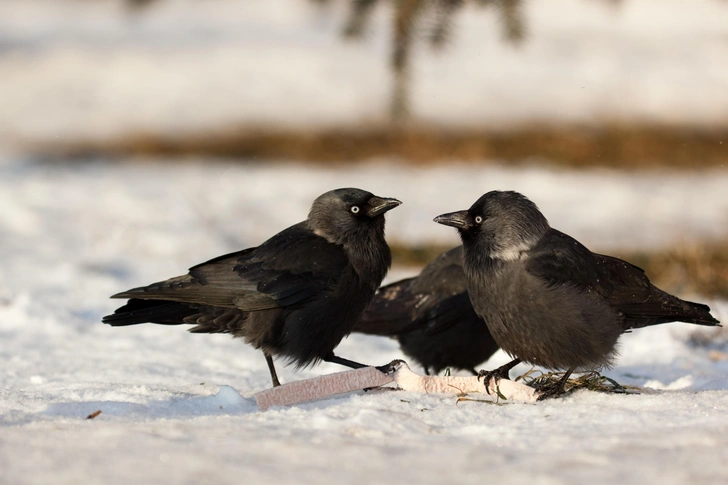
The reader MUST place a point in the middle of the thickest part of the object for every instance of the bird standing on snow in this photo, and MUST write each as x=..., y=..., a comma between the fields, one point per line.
x=432, y=317
x=547, y=299
x=297, y=295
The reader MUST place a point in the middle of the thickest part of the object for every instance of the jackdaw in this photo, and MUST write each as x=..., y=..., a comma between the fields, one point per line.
x=297, y=295
x=546, y=298
x=432, y=318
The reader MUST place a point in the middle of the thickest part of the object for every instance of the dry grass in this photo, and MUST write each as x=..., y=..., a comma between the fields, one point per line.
x=591, y=381
x=620, y=146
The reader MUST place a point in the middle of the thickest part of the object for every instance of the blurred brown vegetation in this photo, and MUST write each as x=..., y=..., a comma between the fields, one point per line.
x=696, y=268
x=431, y=23
x=571, y=146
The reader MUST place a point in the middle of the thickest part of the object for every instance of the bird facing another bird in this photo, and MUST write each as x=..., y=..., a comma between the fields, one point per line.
x=547, y=299
x=297, y=295
x=515, y=283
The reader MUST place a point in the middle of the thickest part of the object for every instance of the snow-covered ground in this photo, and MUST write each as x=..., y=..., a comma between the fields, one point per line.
x=177, y=407
x=71, y=68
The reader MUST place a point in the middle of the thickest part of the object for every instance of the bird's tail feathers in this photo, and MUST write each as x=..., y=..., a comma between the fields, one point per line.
x=160, y=290
x=666, y=311
x=138, y=311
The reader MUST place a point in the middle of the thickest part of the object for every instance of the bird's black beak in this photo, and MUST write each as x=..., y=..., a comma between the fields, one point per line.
x=380, y=205
x=459, y=220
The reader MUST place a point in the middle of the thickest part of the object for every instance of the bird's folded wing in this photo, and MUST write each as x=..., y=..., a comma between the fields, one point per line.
x=391, y=312
x=559, y=259
x=444, y=276
x=212, y=283
x=448, y=313
x=289, y=268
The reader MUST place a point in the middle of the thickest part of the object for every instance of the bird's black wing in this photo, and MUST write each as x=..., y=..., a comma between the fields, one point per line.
x=641, y=302
x=561, y=260
x=391, y=311
x=287, y=269
x=294, y=266
x=410, y=304
x=444, y=276
x=449, y=312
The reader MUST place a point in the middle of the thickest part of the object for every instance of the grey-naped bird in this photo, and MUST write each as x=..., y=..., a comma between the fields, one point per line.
x=546, y=298
x=297, y=295
x=432, y=318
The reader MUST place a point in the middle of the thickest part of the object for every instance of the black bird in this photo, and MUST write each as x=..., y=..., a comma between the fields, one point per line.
x=297, y=295
x=547, y=299
x=432, y=318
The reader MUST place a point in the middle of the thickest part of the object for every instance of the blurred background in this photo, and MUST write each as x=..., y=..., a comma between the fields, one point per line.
x=139, y=137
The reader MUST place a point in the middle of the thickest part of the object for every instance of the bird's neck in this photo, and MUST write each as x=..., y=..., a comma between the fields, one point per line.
x=370, y=256
x=481, y=258
x=477, y=260
x=502, y=247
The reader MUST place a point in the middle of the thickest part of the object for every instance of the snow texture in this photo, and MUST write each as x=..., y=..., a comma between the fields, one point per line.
x=178, y=408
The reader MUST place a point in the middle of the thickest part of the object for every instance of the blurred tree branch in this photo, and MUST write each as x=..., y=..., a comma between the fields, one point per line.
x=406, y=27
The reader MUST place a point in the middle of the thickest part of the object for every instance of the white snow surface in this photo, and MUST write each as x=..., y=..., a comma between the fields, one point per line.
x=177, y=407
x=99, y=70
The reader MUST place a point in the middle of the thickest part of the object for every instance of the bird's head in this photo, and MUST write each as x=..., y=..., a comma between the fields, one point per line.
x=502, y=223
x=341, y=214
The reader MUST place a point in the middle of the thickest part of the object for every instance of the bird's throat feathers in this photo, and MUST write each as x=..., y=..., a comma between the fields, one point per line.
x=477, y=263
x=369, y=252
x=366, y=248
x=491, y=247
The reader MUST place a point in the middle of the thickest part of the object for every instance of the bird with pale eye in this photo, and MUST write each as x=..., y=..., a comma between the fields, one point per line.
x=546, y=299
x=296, y=296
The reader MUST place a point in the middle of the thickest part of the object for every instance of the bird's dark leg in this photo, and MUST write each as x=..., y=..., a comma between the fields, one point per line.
x=558, y=389
x=386, y=369
x=272, y=369
x=497, y=374
x=342, y=361
x=473, y=371
x=427, y=371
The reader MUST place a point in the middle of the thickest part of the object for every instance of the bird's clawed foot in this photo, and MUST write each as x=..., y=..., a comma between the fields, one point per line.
x=497, y=374
x=390, y=368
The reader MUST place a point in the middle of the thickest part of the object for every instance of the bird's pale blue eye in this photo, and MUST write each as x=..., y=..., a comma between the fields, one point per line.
x=354, y=209
x=478, y=219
